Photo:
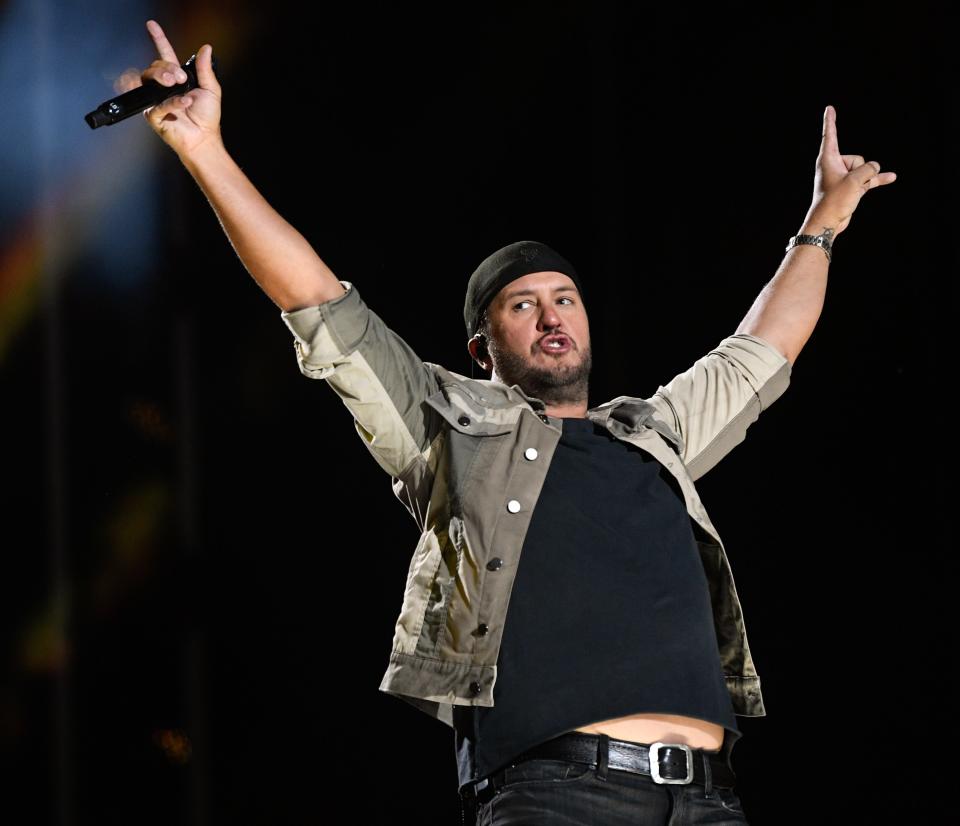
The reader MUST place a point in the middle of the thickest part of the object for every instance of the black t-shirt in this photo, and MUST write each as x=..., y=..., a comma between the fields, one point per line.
x=610, y=611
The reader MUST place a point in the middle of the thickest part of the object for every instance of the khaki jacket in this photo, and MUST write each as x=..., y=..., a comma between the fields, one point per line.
x=468, y=458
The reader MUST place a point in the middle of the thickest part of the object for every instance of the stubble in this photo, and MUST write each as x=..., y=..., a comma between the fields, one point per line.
x=553, y=385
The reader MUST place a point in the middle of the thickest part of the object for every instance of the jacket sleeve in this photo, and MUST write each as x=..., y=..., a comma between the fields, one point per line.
x=711, y=405
x=376, y=373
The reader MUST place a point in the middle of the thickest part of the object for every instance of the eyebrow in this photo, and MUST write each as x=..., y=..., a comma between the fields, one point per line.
x=515, y=293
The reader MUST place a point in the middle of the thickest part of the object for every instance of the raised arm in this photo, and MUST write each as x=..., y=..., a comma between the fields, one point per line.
x=711, y=405
x=377, y=375
x=278, y=257
x=787, y=309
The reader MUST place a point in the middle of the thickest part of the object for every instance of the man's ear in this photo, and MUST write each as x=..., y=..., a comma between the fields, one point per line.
x=478, y=350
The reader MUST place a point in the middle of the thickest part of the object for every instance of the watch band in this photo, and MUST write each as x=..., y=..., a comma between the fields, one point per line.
x=821, y=241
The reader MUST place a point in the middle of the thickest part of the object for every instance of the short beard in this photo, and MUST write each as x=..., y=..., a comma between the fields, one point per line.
x=562, y=385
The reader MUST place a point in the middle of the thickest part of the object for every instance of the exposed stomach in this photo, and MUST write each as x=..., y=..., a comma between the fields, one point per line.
x=669, y=728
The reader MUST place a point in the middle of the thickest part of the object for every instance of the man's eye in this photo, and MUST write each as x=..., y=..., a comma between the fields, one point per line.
x=562, y=298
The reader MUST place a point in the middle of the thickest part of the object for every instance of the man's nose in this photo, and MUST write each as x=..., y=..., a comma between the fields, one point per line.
x=549, y=318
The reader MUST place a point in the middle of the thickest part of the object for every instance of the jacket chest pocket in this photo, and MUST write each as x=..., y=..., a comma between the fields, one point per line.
x=474, y=440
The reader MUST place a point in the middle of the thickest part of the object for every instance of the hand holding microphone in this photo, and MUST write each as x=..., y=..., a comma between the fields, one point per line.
x=183, y=121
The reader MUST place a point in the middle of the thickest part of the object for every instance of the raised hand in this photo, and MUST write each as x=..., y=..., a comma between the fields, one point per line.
x=841, y=180
x=184, y=122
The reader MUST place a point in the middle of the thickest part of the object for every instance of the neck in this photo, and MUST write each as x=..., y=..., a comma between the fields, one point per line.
x=577, y=410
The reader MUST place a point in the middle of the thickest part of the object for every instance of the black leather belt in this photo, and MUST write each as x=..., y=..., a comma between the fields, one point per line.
x=665, y=763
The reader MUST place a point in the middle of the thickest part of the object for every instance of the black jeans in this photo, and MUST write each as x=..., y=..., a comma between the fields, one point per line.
x=550, y=792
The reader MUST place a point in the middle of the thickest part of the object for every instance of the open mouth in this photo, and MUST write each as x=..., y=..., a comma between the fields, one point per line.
x=555, y=344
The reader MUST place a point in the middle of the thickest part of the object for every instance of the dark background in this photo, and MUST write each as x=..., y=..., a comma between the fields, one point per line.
x=203, y=564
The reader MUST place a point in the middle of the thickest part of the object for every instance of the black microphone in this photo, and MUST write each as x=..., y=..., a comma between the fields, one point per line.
x=143, y=97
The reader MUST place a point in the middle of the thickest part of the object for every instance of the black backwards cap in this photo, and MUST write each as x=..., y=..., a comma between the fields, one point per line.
x=505, y=265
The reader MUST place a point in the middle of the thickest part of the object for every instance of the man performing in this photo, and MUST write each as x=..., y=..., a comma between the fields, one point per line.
x=607, y=693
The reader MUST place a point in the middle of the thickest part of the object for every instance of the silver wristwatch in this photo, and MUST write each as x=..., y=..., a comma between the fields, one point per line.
x=822, y=241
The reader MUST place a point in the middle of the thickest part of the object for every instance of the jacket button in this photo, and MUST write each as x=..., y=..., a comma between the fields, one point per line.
x=513, y=506
x=530, y=453
x=544, y=417
x=474, y=687
x=464, y=420
x=482, y=629
x=495, y=564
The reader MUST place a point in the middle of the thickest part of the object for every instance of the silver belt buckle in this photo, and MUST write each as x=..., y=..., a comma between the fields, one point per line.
x=655, y=763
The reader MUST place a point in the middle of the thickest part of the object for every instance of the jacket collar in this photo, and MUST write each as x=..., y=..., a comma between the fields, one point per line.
x=626, y=414
x=623, y=415
x=532, y=401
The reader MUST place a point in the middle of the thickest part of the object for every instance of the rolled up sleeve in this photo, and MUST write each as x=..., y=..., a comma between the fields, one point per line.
x=712, y=404
x=377, y=375
x=325, y=334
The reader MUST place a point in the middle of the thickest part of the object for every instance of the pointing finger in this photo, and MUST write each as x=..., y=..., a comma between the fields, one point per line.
x=829, y=143
x=164, y=49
